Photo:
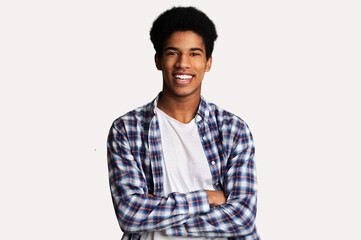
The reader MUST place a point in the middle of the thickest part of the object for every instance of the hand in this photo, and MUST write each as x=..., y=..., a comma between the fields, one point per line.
x=216, y=197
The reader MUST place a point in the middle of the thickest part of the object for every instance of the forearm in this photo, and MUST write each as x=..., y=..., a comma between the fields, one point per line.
x=139, y=213
x=234, y=218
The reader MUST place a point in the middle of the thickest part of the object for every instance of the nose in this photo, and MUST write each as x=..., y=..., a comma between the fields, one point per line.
x=183, y=61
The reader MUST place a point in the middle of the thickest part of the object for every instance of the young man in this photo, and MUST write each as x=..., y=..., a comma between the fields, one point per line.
x=180, y=167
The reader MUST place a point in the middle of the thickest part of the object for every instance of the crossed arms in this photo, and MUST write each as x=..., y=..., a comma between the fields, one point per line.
x=202, y=213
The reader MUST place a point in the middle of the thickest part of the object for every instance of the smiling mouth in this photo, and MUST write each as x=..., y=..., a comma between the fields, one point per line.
x=183, y=78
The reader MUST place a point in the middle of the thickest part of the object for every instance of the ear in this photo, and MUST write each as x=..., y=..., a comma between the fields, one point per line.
x=209, y=64
x=157, y=61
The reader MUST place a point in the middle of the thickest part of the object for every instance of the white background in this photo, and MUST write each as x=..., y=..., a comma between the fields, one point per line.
x=290, y=69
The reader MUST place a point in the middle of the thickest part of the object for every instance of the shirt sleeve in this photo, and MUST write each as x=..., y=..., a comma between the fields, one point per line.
x=135, y=210
x=234, y=219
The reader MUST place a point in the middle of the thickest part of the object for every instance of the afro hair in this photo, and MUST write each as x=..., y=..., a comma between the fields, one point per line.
x=183, y=19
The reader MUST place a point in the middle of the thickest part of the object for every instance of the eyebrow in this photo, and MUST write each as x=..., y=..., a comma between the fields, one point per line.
x=176, y=49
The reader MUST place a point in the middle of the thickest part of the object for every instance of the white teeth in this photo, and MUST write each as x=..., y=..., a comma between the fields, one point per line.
x=184, y=77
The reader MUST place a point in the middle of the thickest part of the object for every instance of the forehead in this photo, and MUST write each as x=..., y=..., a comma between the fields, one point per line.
x=184, y=40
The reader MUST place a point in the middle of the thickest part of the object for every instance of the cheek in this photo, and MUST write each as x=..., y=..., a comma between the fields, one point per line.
x=168, y=66
x=202, y=67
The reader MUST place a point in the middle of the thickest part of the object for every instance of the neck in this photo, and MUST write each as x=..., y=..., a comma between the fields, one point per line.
x=180, y=108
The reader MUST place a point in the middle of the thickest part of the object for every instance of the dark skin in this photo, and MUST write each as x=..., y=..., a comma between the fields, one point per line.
x=215, y=197
x=184, y=54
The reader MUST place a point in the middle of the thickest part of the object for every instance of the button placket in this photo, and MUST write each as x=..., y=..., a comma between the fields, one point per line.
x=203, y=131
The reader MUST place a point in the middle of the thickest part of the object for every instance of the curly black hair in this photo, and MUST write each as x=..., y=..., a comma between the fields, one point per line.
x=183, y=19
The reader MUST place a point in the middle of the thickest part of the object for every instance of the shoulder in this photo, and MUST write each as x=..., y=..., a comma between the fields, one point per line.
x=139, y=116
x=234, y=133
x=225, y=120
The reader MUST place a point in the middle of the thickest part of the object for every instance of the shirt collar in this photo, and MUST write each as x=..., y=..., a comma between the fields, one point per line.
x=202, y=114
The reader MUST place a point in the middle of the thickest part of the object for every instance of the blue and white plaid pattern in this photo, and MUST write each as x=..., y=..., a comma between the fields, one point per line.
x=135, y=170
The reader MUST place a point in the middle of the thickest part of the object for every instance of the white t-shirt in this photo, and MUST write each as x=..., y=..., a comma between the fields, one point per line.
x=185, y=166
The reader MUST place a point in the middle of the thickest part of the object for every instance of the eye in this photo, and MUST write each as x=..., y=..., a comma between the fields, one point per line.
x=172, y=53
x=195, y=54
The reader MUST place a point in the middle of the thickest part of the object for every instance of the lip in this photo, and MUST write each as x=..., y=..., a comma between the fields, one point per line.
x=185, y=81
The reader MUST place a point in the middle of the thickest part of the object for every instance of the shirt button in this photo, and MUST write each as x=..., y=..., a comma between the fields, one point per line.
x=213, y=162
x=217, y=183
x=204, y=138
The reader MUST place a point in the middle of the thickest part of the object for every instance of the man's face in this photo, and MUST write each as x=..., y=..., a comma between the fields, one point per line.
x=183, y=64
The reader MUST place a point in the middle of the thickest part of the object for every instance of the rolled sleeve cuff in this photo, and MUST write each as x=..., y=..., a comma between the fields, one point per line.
x=198, y=202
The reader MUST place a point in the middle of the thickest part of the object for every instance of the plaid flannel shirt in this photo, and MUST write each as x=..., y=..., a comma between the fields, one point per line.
x=135, y=170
